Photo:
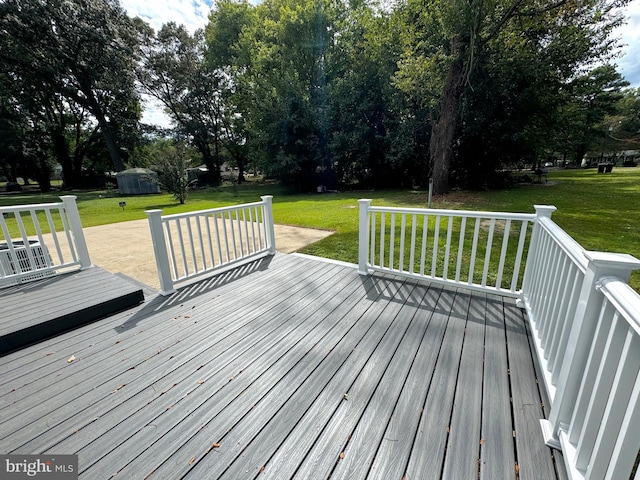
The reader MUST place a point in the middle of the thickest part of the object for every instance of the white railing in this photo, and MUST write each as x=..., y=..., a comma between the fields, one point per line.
x=192, y=244
x=455, y=247
x=600, y=438
x=39, y=240
x=585, y=319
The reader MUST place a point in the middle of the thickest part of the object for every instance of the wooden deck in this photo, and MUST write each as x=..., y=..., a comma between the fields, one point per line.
x=37, y=310
x=288, y=368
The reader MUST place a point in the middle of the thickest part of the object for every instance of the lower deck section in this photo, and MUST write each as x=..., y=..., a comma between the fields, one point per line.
x=34, y=311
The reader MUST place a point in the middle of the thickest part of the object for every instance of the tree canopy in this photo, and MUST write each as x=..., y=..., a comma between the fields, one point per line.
x=352, y=94
x=71, y=56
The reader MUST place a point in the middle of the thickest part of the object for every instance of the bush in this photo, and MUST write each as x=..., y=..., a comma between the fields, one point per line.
x=173, y=172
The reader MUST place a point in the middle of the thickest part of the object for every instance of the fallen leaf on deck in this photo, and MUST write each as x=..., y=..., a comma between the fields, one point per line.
x=71, y=358
x=193, y=459
x=482, y=442
x=341, y=454
x=216, y=445
x=200, y=381
x=261, y=469
x=165, y=391
x=119, y=388
x=187, y=316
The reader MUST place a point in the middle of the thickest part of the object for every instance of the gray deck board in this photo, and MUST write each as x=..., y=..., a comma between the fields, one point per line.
x=534, y=459
x=394, y=450
x=289, y=368
x=219, y=393
x=497, y=449
x=371, y=426
x=463, y=449
x=428, y=451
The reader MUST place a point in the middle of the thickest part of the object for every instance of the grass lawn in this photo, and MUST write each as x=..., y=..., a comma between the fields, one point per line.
x=601, y=211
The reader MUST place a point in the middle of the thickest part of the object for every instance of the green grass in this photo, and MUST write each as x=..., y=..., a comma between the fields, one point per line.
x=601, y=211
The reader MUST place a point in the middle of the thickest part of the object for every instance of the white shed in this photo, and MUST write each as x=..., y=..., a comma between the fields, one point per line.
x=137, y=181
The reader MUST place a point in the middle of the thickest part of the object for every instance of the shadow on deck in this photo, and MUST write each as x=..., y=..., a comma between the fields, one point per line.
x=288, y=368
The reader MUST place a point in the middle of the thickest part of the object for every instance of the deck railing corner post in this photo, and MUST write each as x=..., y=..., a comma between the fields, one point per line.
x=71, y=209
x=160, y=251
x=269, y=223
x=542, y=211
x=363, y=236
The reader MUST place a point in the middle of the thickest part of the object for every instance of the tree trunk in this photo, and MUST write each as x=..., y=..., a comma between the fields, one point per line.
x=44, y=174
x=443, y=131
x=112, y=148
x=105, y=129
x=60, y=149
x=240, y=162
x=213, y=176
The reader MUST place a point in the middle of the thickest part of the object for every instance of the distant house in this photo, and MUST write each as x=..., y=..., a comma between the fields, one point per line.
x=619, y=157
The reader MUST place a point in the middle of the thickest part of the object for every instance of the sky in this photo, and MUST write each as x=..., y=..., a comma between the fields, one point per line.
x=193, y=15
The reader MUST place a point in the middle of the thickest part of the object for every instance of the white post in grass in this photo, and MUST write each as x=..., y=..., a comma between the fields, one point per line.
x=363, y=236
x=268, y=222
x=160, y=252
x=71, y=208
x=601, y=264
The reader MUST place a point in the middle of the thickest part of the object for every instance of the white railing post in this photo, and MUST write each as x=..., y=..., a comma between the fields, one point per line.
x=268, y=221
x=542, y=211
x=71, y=209
x=363, y=236
x=600, y=264
x=160, y=251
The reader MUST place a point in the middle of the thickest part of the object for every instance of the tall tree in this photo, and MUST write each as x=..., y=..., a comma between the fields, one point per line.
x=368, y=146
x=175, y=71
x=445, y=41
x=84, y=51
x=224, y=55
x=589, y=100
x=285, y=52
x=626, y=119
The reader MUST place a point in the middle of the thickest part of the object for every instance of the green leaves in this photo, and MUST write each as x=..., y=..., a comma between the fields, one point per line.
x=81, y=52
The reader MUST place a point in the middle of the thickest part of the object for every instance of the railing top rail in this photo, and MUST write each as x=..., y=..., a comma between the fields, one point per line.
x=29, y=207
x=177, y=216
x=458, y=213
x=572, y=248
x=623, y=298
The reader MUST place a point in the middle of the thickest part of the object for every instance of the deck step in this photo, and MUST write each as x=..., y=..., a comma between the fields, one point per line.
x=35, y=311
